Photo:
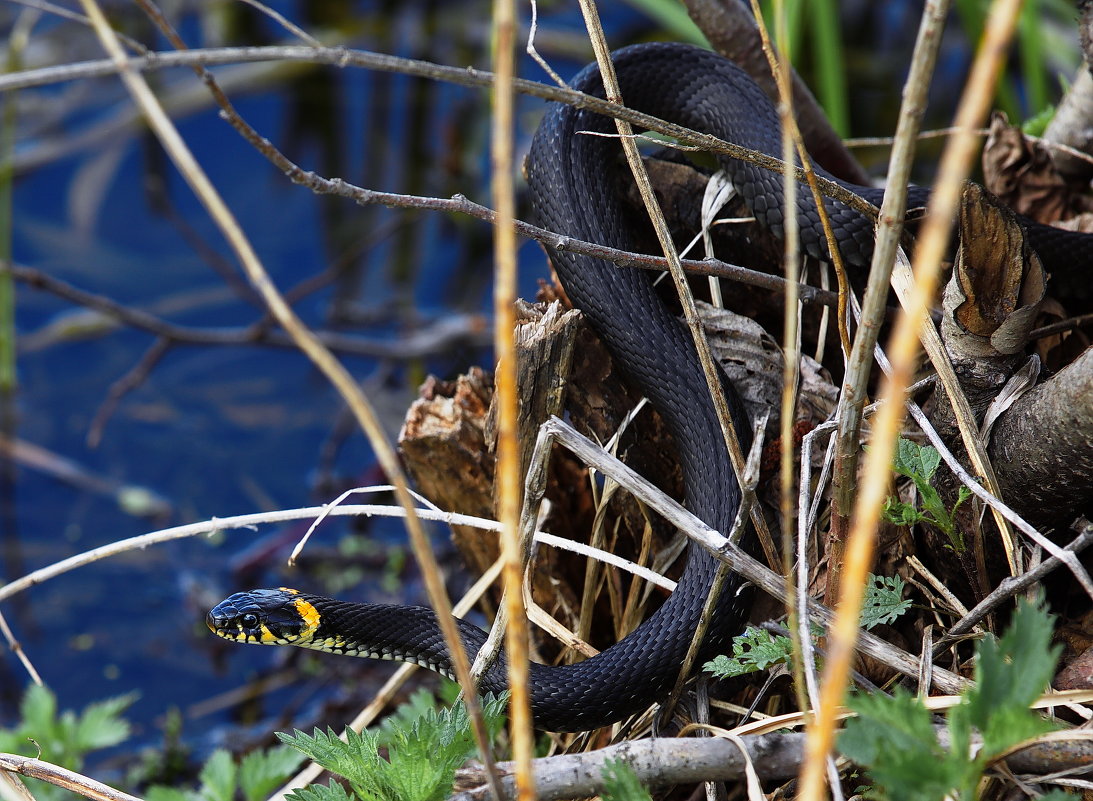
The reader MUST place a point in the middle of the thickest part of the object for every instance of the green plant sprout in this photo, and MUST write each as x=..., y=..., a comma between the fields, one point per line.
x=255, y=778
x=920, y=463
x=757, y=649
x=894, y=737
x=422, y=756
x=64, y=738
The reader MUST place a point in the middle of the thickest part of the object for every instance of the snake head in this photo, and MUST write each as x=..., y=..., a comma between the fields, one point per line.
x=267, y=617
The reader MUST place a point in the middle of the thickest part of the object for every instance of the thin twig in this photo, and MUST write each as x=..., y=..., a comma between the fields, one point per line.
x=345, y=57
x=16, y=648
x=890, y=228
x=1010, y=587
x=62, y=777
x=250, y=521
x=791, y=351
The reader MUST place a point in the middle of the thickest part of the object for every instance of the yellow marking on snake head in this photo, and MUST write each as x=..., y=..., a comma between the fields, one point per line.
x=310, y=615
x=267, y=637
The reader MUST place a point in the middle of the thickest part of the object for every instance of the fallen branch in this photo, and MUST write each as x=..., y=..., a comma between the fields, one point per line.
x=659, y=761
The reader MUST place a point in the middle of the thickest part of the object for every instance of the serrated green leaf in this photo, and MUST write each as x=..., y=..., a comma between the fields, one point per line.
x=754, y=650
x=894, y=738
x=418, y=704
x=423, y=753
x=320, y=792
x=916, y=461
x=900, y=513
x=218, y=777
x=352, y=759
x=262, y=772
x=101, y=724
x=883, y=601
x=1009, y=674
x=38, y=710
x=620, y=783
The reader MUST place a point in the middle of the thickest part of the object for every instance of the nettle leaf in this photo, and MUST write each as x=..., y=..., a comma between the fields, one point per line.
x=420, y=702
x=423, y=753
x=1009, y=674
x=350, y=759
x=218, y=777
x=262, y=772
x=320, y=792
x=883, y=601
x=101, y=724
x=161, y=792
x=893, y=737
x=916, y=461
x=756, y=649
x=39, y=712
x=900, y=513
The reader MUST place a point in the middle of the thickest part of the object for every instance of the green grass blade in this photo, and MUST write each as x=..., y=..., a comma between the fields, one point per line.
x=830, y=63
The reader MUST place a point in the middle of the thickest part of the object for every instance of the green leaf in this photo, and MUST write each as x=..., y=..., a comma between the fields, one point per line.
x=672, y=16
x=262, y=772
x=352, y=759
x=422, y=754
x=101, y=724
x=919, y=463
x=39, y=712
x=1009, y=674
x=420, y=703
x=1037, y=123
x=756, y=649
x=935, y=508
x=900, y=513
x=883, y=600
x=218, y=777
x=916, y=461
x=894, y=738
x=620, y=783
x=320, y=792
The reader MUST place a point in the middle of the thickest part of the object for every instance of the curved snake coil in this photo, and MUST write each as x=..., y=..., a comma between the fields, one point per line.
x=572, y=181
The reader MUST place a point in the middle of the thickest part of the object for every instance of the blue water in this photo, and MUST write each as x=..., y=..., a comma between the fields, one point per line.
x=220, y=430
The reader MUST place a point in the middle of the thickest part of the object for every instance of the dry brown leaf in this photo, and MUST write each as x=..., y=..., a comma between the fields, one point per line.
x=1022, y=174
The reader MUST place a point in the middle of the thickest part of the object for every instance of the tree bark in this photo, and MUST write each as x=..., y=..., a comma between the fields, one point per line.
x=1041, y=448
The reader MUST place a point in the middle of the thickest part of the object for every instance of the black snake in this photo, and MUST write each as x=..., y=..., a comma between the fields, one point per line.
x=573, y=189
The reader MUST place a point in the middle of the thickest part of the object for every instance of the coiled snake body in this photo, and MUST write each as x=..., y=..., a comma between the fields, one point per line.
x=574, y=194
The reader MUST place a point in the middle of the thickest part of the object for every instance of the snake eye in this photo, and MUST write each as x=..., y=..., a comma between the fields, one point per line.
x=249, y=620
